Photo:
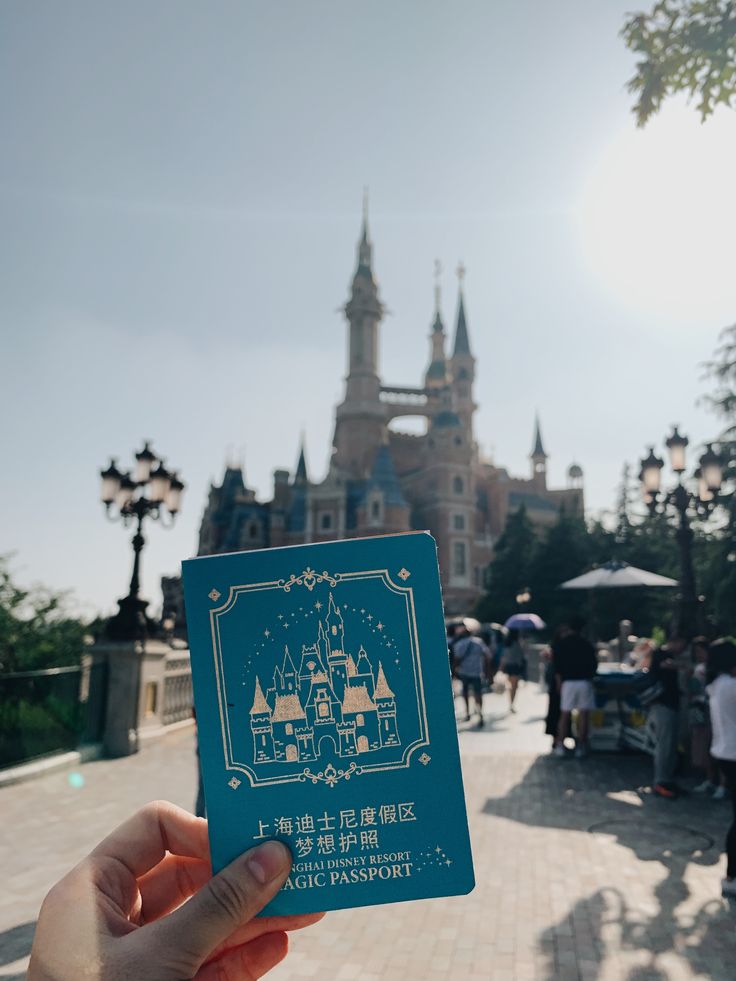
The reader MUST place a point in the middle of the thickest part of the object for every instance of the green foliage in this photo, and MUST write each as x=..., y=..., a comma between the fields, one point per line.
x=510, y=569
x=683, y=46
x=36, y=630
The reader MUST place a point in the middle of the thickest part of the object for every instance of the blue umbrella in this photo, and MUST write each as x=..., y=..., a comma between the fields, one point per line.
x=525, y=621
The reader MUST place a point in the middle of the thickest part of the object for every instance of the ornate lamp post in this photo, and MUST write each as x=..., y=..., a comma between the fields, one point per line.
x=686, y=503
x=151, y=492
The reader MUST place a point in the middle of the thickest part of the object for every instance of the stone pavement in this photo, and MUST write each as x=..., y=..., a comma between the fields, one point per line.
x=581, y=873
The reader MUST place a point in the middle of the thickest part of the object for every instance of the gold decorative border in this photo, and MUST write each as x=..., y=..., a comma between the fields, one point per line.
x=309, y=578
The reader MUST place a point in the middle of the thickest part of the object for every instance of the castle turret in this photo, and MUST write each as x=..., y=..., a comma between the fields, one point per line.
x=538, y=458
x=385, y=701
x=337, y=661
x=462, y=364
x=260, y=724
x=288, y=674
x=383, y=505
x=436, y=375
x=360, y=418
x=364, y=673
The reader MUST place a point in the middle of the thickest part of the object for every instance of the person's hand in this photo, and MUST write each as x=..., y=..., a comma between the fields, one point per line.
x=122, y=913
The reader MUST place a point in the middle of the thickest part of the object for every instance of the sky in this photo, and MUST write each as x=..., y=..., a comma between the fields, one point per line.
x=180, y=200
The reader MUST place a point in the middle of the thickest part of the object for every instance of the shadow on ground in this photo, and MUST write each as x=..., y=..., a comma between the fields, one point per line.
x=608, y=796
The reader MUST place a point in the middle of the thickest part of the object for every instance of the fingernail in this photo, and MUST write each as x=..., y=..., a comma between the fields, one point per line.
x=268, y=860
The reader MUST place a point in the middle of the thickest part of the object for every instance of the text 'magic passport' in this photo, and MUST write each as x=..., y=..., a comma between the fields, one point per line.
x=326, y=719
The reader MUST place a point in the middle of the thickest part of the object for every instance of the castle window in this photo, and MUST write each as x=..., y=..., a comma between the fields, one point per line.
x=325, y=521
x=375, y=509
x=458, y=522
x=324, y=709
x=289, y=728
x=252, y=530
x=360, y=720
x=458, y=441
x=459, y=562
x=458, y=485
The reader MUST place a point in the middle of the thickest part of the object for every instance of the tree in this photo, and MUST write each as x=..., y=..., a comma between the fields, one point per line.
x=563, y=553
x=36, y=629
x=510, y=569
x=718, y=561
x=684, y=46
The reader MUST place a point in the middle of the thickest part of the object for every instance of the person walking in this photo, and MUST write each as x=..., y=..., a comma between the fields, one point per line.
x=576, y=664
x=664, y=713
x=472, y=664
x=513, y=664
x=722, y=700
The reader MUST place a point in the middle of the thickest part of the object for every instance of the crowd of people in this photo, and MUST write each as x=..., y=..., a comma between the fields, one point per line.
x=687, y=687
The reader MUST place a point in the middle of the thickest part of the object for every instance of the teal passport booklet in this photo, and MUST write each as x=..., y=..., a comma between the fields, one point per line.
x=326, y=720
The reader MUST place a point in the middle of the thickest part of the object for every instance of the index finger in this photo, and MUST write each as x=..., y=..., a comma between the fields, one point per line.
x=144, y=839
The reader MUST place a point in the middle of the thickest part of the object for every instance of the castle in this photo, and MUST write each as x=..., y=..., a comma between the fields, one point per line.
x=331, y=703
x=383, y=480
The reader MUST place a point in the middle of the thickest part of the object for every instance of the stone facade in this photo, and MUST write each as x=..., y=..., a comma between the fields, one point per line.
x=382, y=480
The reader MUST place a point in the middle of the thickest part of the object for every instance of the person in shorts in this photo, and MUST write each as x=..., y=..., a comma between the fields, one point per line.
x=471, y=661
x=575, y=664
x=513, y=664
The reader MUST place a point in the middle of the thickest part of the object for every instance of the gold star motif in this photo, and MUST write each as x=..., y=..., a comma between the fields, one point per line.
x=266, y=633
x=234, y=783
x=214, y=595
x=318, y=605
x=424, y=759
x=438, y=849
x=448, y=861
x=379, y=625
x=404, y=574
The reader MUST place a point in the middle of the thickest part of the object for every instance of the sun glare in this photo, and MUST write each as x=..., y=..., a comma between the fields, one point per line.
x=657, y=217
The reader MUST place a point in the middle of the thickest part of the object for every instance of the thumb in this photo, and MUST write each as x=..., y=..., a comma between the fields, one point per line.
x=228, y=901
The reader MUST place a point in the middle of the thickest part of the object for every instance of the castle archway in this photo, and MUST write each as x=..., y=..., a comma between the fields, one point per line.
x=326, y=746
x=292, y=754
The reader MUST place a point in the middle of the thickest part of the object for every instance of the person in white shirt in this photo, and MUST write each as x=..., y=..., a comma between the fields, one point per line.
x=722, y=696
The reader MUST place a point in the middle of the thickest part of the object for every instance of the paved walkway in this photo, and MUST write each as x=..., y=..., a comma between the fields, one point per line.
x=581, y=873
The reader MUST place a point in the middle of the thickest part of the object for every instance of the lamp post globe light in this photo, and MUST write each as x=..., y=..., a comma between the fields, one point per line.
x=151, y=492
x=523, y=597
x=687, y=502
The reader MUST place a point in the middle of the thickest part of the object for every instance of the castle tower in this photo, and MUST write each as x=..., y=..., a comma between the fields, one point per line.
x=538, y=458
x=384, y=505
x=290, y=681
x=337, y=661
x=462, y=365
x=260, y=724
x=335, y=628
x=310, y=664
x=360, y=418
x=436, y=375
x=364, y=673
x=386, y=704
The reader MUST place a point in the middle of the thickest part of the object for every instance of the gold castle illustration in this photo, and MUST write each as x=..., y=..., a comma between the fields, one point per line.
x=332, y=705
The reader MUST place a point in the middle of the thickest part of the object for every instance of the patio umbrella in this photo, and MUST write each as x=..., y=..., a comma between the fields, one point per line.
x=614, y=575
x=525, y=621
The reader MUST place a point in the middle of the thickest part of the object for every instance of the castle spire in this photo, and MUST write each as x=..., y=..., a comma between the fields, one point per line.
x=260, y=705
x=462, y=344
x=538, y=457
x=436, y=374
x=538, y=450
x=365, y=249
x=300, y=477
x=382, y=688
